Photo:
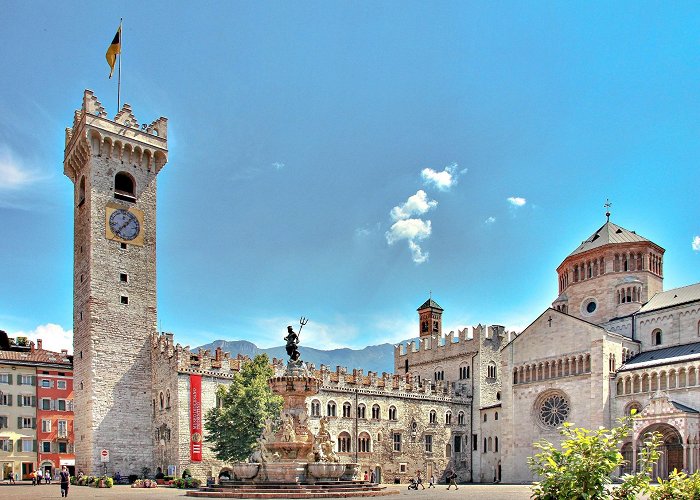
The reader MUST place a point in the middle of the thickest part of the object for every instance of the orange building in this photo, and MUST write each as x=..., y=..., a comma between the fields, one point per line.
x=54, y=411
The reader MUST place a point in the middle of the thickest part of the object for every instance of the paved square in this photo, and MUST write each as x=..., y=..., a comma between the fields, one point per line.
x=466, y=491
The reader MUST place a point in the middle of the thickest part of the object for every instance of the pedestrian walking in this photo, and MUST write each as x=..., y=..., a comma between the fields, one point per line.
x=47, y=476
x=419, y=480
x=431, y=482
x=451, y=476
x=65, y=479
x=372, y=477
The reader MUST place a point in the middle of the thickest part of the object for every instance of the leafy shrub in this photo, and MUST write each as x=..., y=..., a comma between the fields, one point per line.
x=189, y=482
x=678, y=486
x=582, y=468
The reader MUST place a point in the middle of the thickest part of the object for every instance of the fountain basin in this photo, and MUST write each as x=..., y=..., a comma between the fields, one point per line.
x=326, y=471
x=245, y=471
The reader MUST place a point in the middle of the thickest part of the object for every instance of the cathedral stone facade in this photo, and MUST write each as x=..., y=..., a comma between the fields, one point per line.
x=475, y=401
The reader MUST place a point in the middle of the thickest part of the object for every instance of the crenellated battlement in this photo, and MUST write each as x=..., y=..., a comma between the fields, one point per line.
x=181, y=359
x=387, y=384
x=123, y=138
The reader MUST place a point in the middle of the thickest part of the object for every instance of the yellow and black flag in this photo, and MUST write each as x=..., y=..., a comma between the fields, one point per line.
x=114, y=49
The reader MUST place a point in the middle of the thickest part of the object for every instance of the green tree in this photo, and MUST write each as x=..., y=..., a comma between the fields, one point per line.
x=581, y=468
x=234, y=426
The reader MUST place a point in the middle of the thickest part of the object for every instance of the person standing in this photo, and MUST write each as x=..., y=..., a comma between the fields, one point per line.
x=65, y=479
x=431, y=482
x=47, y=476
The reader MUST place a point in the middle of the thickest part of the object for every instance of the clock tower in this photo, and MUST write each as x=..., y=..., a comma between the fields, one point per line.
x=113, y=164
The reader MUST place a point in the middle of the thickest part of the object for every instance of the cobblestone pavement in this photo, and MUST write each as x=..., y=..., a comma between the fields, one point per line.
x=466, y=491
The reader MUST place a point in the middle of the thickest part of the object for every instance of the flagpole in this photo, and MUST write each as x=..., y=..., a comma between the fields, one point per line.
x=119, y=69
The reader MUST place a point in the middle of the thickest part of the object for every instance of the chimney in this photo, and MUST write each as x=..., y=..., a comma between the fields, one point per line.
x=64, y=352
x=38, y=343
x=31, y=346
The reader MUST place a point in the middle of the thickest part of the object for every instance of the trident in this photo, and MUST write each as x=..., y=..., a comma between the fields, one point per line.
x=302, y=322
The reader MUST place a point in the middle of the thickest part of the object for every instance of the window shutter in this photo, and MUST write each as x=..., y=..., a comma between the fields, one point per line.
x=9, y=400
x=19, y=422
x=19, y=379
x=9, y=445
x=34, y=401
x=52, y=404
x=34, y=445
x=33, y=377
x=34, y=424
x=19, y=400
x=9, y=378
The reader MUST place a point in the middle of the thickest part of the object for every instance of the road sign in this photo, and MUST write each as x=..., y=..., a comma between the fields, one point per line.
x=104, y=455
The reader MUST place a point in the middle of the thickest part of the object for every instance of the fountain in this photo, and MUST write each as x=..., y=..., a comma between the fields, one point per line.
x=289, y=458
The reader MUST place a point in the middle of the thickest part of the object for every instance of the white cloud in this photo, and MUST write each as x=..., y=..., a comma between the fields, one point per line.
x=411, y=230
x=490, y=220
x=442, y=180
x=13, y=174
x=53, y=337
x=516, y=201
x=696, y=243
x=417, y=204
x=278, y=165
x=408, y=229
x=417, y=253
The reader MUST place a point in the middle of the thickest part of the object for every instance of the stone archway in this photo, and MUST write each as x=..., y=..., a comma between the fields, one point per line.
x=671, y=449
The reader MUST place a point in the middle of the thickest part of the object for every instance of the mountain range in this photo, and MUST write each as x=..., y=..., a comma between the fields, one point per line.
x=377, y=358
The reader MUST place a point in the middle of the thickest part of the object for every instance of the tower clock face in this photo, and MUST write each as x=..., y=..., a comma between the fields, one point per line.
x=124, y=224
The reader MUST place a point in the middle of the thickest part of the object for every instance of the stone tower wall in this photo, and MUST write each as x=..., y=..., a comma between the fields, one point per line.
x=111, y=339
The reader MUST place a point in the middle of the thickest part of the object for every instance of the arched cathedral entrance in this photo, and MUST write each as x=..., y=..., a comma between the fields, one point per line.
x=671, y=449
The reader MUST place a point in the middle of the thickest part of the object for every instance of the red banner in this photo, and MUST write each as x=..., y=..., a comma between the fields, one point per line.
x=196, y=418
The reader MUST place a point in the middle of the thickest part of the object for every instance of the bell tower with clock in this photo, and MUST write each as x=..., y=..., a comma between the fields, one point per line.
x=113, y=164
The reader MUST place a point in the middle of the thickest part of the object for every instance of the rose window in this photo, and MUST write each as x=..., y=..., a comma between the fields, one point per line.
x=554, y=411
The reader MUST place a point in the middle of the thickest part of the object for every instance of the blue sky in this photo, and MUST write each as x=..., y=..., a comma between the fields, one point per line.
x=341, y=160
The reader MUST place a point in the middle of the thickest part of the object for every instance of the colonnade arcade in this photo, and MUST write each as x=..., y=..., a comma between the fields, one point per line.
x=679, y=428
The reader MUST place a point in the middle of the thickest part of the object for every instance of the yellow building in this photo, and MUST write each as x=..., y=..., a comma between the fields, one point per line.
x=17, y=416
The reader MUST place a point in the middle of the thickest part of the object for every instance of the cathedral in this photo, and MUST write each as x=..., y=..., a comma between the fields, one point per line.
x=475, y=400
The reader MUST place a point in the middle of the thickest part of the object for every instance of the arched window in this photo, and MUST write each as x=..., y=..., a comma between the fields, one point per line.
x=344, y=442
x=495, y=443
x=491, y=370
x=364, y=443
x=656, y=337
x=485, y=417
x=124, y=187
x=460, y=418
x=433, y=417
x=448, y=418
x=361, y=411
x=330, y=409
x=393, y=415
x=485, y=447
x=167, y=398
x=315, y=408
x=81, y=191
x=162, y=401
x=458, y=444
x=346, y=409
x=495, y=417
x=376, y=412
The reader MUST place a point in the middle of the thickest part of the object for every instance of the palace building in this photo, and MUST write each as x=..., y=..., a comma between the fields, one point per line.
x=476, y=400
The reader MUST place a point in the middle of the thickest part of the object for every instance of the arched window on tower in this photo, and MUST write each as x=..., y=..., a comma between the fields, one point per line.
x=330, y=409
x=124, y=187
x=81, y=191
x=656, y=337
